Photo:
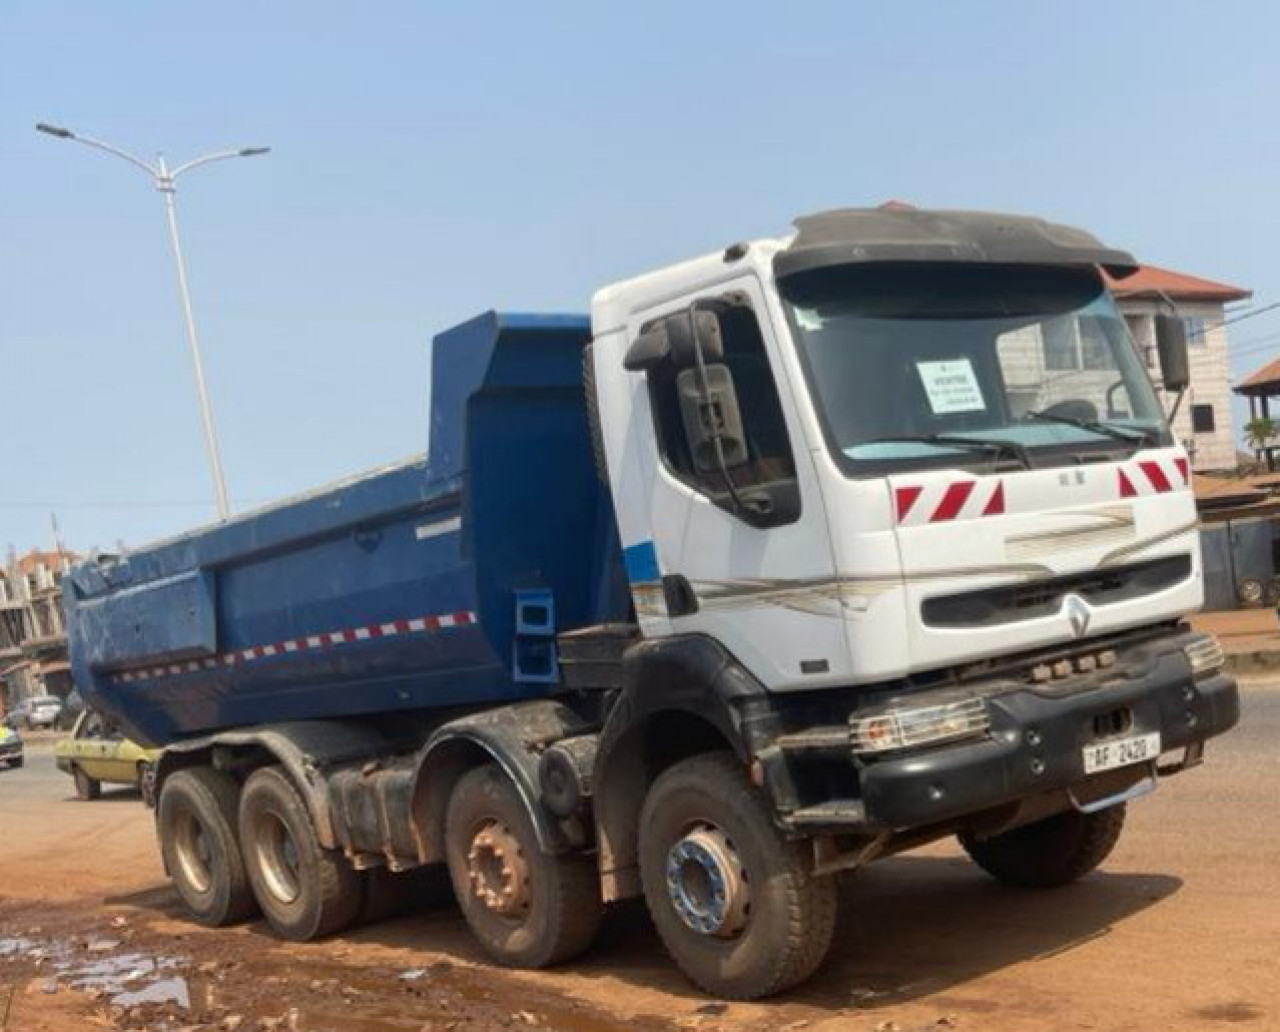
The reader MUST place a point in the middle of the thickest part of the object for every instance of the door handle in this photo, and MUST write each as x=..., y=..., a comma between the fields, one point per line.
x=679, y=595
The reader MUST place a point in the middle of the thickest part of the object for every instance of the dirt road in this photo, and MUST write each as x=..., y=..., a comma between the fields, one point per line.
x=1180, y=931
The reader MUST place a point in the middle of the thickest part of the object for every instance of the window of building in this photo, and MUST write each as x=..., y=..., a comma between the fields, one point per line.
x=768, y=449
x=1071, y=344
x=1061, y=350
x=1095, y=351
x=1134, y=324
x=1202, y=419
x=1197, y=330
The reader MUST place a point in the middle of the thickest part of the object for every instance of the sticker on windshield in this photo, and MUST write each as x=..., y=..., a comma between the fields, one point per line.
x=951, y=386
x=808, y=318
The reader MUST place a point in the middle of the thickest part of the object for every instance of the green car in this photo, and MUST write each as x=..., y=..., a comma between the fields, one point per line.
x=96, y=751
x=10, y=746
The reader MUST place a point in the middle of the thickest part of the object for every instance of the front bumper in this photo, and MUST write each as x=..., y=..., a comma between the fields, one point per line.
x=1034, y=747
x=10, y=751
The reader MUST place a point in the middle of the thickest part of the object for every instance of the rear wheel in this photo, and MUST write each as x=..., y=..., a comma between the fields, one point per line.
x=733, y=900
x=305, y=891
x=527, y=908
x=1055, y=851
x=196, y=820
x=86, y=787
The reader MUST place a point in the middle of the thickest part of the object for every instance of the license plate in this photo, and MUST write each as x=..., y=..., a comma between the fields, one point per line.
x=1121, y=752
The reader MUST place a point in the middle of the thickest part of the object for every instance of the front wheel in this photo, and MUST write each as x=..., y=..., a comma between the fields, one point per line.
x=1046, y=854
x=733, y=900
x=527, y=908
x=305, y=891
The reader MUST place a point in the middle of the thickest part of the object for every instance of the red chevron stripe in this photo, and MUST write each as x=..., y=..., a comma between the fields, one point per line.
x=953, y=501
x=906, y=497
x=1156, y=474
x=995, y=504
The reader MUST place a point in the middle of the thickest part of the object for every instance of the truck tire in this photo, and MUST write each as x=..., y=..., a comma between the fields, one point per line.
x=733, y=900
x=87, y=788
x=196, y=823
x=304, y=891
x=527, y=908
x=1055, y=851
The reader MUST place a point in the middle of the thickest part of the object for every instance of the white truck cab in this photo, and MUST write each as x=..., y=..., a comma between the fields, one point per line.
x=910, y=544
x=945, y=451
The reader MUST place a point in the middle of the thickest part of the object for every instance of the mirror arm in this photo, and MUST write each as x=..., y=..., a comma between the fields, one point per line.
x=705, y=390
x=1177, y=402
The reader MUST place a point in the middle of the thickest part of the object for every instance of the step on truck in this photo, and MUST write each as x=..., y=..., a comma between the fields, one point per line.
x=791, y=557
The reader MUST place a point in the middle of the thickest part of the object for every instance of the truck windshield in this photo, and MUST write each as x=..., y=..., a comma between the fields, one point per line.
x=907, y=359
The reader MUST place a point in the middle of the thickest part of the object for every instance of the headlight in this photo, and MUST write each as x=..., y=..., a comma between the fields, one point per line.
x=903, y=726
x=1205, y=656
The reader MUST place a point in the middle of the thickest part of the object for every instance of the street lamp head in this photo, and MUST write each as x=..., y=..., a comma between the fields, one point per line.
x=53, y=130
x=253, y=152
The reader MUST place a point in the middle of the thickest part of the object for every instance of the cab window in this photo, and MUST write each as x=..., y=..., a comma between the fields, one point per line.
x=764, y=458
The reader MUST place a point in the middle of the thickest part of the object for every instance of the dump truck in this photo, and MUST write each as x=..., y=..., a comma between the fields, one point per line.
x=790, y=557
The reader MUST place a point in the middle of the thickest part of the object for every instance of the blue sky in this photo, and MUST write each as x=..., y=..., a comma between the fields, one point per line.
x=432, y=161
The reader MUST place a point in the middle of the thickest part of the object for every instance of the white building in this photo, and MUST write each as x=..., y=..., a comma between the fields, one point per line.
x=1204, y=422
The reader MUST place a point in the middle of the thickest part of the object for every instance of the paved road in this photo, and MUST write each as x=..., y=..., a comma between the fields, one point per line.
x=1181, y=930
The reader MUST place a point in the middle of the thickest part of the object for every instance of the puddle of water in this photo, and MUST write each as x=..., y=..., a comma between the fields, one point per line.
x=128, y=978
x=13, y=945
x=163, y=990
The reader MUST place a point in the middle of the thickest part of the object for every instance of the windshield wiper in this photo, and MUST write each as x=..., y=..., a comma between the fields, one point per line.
x=1131, y=435
x=991, y=445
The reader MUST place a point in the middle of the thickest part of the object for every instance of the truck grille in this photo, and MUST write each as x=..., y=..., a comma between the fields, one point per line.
x=1011, y=603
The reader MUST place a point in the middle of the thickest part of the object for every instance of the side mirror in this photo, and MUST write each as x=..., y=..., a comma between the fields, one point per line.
x=1171, y=343
x=711, y=416
x=682, y=329
x=673, y=337
x=648, y=349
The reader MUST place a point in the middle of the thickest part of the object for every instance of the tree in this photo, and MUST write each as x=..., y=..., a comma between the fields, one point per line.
x=1259, y=432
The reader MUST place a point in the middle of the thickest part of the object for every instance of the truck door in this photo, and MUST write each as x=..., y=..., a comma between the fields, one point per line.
x=744, y=557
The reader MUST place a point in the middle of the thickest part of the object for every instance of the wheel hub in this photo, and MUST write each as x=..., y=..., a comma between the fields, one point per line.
x=277, y=856
x=498, y=871
x=193, y=853
x=708, y=884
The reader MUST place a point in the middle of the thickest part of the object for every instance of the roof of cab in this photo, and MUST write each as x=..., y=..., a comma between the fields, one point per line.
x=900, y=233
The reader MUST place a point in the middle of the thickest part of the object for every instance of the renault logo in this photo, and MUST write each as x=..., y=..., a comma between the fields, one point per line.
x=1078, y=614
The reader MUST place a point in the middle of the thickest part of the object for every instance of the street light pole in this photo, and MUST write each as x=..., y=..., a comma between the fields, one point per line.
x=165, y=181
x=167, y=188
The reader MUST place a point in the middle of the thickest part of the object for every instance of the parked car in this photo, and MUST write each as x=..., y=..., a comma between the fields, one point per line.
x=39, y=711
x=10, y=747
x=98, y=751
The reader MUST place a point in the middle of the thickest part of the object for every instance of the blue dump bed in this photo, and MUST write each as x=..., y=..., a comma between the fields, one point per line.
x=437, y=582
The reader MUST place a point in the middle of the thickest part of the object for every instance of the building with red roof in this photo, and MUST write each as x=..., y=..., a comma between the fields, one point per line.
x=1204, y=422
